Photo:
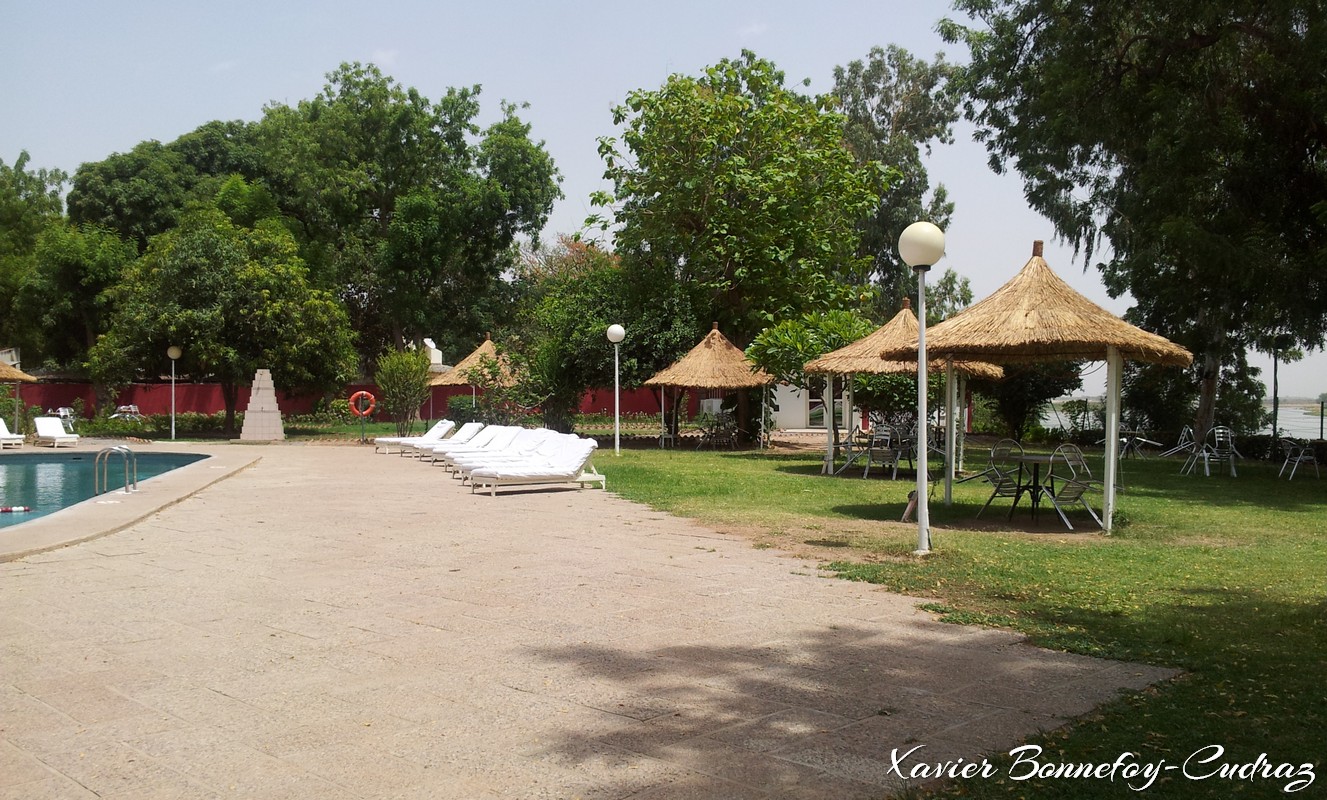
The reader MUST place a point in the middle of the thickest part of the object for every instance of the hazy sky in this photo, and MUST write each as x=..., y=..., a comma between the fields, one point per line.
x=85, y=79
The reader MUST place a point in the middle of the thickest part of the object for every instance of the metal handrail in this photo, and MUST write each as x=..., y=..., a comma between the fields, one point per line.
x=101, y=469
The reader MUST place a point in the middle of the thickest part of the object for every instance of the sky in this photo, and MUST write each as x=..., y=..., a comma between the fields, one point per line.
x=87, y=79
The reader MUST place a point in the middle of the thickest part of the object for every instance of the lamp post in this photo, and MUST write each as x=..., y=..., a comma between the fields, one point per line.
x=616, y=333
x=173, y=352
x=920, y=246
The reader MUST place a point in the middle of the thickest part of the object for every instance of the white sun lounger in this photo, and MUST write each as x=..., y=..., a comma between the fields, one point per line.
x=530, y=445
x=480, y=439
x=502, y=439
x=463, y=434
x=50, y=429
x=437, y=433
x=8, y=439
x=570, y=465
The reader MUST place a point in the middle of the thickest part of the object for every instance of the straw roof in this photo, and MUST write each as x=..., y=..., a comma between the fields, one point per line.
x=11, y=374
x=1036, y=316
x=715, y=363
x=458, y=375
x=863, y=355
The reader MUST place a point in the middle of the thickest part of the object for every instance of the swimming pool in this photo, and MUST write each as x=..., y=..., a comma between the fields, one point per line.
x=48, y=482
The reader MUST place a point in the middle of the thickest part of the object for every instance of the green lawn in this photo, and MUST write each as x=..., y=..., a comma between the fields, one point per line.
x=1225, y=578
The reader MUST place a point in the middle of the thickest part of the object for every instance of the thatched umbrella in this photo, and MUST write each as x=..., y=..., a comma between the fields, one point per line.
x=715, y=363
x=459, y=374
x=863, y=356
x=16, y=376
x=1038, y=317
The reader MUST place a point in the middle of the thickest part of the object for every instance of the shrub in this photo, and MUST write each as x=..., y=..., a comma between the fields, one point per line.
x=403, y=378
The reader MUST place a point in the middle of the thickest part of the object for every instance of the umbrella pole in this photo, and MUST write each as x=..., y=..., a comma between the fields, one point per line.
x=828, y=402
x=950, y=432
x=1114, y=366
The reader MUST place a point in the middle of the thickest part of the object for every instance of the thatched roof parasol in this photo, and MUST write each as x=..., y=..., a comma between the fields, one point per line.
x=863, y=355
x=459, y=374
x=715, y=363
x=11, y=374
x=1036, y=316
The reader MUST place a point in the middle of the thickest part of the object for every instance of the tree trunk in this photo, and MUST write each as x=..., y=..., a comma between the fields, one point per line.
x=230, y=395
x=1207, y=385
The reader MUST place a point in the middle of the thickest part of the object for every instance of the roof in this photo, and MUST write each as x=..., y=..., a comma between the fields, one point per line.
x=1036, y=316
x=715, y=363
x=459, y=374
x=12, y=374
x=863, y=355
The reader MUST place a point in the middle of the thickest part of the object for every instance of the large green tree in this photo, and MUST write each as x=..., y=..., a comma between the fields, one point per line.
x=236, y=300
x=67, y=295
x=742, y=191
x=405, y=204
x=1189, y=137
x=29, y=204
x=897, y=107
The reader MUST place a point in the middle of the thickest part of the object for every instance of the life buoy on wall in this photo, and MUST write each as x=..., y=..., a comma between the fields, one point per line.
x=362, y=412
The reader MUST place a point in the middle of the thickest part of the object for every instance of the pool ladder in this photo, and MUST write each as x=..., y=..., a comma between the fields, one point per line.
x=101, y=469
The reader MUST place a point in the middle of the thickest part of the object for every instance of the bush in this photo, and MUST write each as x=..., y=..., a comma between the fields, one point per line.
x=462, y=409
x=403, y=378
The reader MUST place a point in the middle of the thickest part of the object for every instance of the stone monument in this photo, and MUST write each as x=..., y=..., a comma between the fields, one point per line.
x=262, y=419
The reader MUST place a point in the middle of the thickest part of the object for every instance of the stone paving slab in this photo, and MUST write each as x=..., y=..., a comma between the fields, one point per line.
x=331, y=623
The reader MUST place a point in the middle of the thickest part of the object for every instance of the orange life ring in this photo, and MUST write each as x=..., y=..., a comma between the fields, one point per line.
x=354, y=404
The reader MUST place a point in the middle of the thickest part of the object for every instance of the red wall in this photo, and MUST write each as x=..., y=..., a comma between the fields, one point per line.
x=205, y=398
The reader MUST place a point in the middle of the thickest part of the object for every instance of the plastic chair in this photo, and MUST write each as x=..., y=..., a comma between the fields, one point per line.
x=882, y=450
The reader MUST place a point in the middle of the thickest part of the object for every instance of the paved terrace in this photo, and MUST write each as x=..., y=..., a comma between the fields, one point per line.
x=323, y=622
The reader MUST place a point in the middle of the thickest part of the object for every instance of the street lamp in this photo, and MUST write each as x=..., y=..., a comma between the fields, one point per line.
x=921, y=245
x=616, y=333
x=173, y=352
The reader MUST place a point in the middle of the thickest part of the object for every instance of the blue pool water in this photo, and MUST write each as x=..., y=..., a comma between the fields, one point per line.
x=48, y=482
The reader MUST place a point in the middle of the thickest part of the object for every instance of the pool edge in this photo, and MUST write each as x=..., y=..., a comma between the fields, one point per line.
x=53, y=532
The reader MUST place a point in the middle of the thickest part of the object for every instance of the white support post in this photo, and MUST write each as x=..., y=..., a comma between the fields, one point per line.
x=951, y=433
x=1114, y=368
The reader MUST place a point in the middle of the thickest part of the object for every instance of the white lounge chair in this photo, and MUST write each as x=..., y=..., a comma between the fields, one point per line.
x=535, y=444
x=502, y=438
x=50, y=429
x=8, y=439
x=570, y=465
x=480, y=439
x=437, y=433
x=462, y=434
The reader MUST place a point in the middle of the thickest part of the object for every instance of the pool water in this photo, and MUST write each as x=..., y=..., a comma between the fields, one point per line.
x=48, y=482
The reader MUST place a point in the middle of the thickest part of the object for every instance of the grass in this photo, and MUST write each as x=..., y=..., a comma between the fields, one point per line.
x=1221, y=577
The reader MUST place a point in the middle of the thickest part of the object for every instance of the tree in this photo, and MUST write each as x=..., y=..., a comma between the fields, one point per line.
x=138, y=194
x=1019, y=398
x=403, y=378
x=235, y=300
x=29, y=204
x=400, y=206
x=896, y=106
x=1187, y=137
x=741, y=191
x=67, y=295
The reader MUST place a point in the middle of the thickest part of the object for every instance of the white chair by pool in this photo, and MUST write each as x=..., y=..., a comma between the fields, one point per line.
x=503, y=437
x=8, y=439
x=437, y=433
x=571, y=464
x=462, y=435
x=50, y=429
x=481, y=438
x=533, y=444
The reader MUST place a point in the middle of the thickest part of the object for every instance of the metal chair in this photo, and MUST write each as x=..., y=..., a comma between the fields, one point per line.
x=882, y=450
x=1068, y=481
x=1186, y=443
x=1218, y=448
x=1297, y=453
x=1005, y=473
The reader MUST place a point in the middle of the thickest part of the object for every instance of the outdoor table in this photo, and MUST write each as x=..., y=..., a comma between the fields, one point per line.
x=1033, y=487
